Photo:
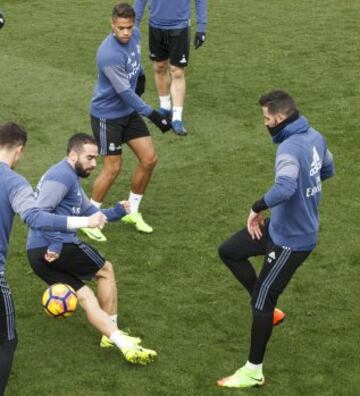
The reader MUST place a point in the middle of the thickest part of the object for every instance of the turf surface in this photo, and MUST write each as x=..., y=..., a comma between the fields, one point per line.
x=173, y=291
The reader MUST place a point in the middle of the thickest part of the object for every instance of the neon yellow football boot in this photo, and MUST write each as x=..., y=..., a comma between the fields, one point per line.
x=243, y=378
x=137, y=220
x=105, y=342
x=94, y=234
x=136, y=354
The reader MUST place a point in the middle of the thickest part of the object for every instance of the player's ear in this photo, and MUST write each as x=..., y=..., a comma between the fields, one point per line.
x=17, y=154
x=73, y=156
x=280, y=117
x=20, y=149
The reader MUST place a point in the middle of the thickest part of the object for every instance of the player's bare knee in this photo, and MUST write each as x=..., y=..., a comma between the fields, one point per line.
x=177, y=72
x=161, y=67
x=111, y=172
x=107, y=271
x=149, y=162
x=84, y=294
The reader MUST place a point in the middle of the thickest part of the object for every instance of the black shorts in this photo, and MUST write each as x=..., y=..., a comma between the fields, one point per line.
x=170, y=44
x=77, y=262
x=111, y=134
x=7, y=312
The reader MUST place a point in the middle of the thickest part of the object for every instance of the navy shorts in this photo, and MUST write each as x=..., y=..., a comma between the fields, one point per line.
x=171, y=44
x=77, y=262
x=111, y=134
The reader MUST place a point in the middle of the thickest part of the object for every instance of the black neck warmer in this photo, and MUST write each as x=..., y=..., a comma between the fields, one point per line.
x=277, y=128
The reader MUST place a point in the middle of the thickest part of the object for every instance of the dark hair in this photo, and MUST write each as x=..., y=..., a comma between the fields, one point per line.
x=12, y=135
x=77, y=141
x=123, y=10
x=278, y=102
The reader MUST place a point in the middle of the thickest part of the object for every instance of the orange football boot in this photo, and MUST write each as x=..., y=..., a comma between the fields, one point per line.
x=278, y=316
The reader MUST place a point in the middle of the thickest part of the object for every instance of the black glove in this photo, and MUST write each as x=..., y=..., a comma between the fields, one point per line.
x=2, y=20
x=140, y=85
x=160, y=121
x=199, y=39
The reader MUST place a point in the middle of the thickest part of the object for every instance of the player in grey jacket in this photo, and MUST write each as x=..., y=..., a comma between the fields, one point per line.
x=303, y=161
x=73, y=261
x=115, y=109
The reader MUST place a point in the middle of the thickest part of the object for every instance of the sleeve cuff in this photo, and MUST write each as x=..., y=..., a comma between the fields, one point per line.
x=120, y=210
x=55, y=247
x=74, y=222
x=259, y=205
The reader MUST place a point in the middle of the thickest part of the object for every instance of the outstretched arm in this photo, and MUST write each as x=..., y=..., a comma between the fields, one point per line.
x=120, y=210
x=23, y=202
x=36, y=213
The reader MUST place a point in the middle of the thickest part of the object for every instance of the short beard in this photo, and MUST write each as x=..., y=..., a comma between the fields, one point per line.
x=80, y=171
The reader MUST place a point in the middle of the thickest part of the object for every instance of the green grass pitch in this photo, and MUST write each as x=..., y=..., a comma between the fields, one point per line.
x=173, y=291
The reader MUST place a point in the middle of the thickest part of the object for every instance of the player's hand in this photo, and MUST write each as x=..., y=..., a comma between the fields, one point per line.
x=163, y=123
x=51, y=256
x=254, y=223
x=140, y=84
x=97, y=220
x=199, y=39
x=2, y=20
x=126, y=205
